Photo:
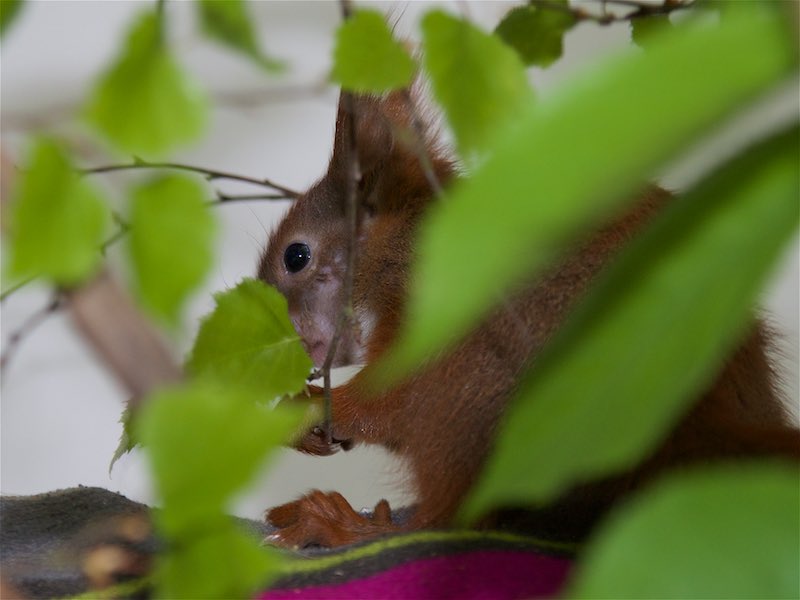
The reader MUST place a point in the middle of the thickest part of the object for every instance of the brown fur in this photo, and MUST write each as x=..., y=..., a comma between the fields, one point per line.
x=442, y=420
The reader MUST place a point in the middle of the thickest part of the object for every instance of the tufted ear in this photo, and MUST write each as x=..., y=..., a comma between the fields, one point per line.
x=374, y=141
x=388, y=150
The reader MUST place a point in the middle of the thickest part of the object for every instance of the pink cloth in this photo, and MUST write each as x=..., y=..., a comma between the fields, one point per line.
x=490, y=574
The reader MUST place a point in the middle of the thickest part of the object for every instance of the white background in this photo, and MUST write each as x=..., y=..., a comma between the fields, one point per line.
x=59, y=408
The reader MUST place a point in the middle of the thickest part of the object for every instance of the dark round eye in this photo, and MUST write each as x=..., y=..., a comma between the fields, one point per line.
x=296, y=257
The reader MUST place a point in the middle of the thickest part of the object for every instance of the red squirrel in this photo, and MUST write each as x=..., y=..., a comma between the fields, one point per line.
x=441, y=421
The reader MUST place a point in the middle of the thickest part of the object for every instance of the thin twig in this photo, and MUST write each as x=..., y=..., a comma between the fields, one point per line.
x=30, y=324
x=351, y=216
x=225, y=198
x=210, y=174
x=115, y=237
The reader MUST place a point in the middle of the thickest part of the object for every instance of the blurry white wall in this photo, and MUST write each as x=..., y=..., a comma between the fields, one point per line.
x=59, y=411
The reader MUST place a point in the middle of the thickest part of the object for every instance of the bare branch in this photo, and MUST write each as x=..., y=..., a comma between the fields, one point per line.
x=351, y=216
x=122, y=338
x=210, y=174
x=226, y=198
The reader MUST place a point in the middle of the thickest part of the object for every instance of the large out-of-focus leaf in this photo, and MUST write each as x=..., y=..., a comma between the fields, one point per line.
x=651, y=335
x=199, y=465
x=228, y=22
x=9, y=9
x=367, y=58
x=537, y=32
x=249, y=341
x=729, y=533
x=204, y=443
x=145, y=104
x=171, y=242
x=57, y=219
x=575, y=158
x=224, y=562
x=479, y=81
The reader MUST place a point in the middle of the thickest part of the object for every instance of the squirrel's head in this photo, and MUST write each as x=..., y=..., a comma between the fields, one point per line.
x=306, y=256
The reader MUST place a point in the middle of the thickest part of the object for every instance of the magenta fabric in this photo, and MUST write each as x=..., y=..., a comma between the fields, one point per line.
x=490, y=575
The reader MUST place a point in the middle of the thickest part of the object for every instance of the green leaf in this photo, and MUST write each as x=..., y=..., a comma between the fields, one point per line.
x=204, y=443
x=145, y=104
x=228, y=22
x=170, y=242
x=643, y=28
x=367, y=58
x=727, y=533
x=9, y=10
x=127, y=441
x=249, y=341
x=223, y=563
x=651, y=334
x=57, y=219
x=572, y=161
x=536, y=32
x=479, y=81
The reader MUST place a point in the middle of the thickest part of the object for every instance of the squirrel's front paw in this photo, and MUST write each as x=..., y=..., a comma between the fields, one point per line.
x=315, y=441
x=327, y=520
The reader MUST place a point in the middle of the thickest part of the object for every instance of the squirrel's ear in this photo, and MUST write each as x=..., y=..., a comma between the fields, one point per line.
x=374, y=139
x=392, y=175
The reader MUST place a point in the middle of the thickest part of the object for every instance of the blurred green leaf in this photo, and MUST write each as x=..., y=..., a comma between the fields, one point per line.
x=223, y=563
x=57, y=219
x=643, y=28
x=204, y=443
x=170, y=242
x=479, y=81
x=9, y=10
x=651, y=335
x=584, y=152
x=228, y=22
x=145, y=104
x=367, y=58
x=249, y=341
x=536, y=32
x=725, y=533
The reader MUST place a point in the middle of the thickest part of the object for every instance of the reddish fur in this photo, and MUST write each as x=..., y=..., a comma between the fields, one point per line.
x=442, y=420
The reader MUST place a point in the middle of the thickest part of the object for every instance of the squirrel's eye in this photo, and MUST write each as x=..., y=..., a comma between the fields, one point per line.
x=296, y=257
